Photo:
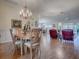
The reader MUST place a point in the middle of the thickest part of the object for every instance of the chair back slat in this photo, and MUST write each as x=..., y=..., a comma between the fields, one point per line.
x=36, y=35
x=13, y=39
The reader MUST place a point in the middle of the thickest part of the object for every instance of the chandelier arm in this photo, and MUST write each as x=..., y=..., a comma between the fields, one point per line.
x=25, y=12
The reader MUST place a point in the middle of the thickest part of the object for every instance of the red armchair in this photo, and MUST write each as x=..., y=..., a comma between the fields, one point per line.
x=67, y=34
x=53, y=33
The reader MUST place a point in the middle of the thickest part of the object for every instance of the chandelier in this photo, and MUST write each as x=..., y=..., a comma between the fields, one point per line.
x=25, y=13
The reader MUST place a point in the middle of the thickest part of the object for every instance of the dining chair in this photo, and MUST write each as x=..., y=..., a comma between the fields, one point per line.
x=34, y=43
x=15, y=38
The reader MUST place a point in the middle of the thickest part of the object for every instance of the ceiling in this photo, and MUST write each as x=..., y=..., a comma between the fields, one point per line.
x=48, y=7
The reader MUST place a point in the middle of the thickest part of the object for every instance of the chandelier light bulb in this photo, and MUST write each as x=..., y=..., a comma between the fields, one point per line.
x=25, y=13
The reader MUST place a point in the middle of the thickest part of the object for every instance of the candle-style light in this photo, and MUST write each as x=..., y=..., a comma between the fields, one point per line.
x=25, y=12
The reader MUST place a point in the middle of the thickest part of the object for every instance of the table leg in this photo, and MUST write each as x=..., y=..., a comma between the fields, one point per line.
x=21, y=47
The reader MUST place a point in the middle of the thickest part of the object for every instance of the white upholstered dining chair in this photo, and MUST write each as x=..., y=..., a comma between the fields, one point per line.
x=15, y=38
x=34, y=43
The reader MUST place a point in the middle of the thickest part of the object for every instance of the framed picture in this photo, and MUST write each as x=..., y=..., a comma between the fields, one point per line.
x=16, y=23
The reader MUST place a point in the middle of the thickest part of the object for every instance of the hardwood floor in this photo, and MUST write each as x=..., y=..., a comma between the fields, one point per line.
x=50, y=49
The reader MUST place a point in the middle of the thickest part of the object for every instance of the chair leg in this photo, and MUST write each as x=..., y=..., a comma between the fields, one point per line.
x=39, y=53
x=25, y=49
x=15, y=48
x=21, y=45
x=31, y=52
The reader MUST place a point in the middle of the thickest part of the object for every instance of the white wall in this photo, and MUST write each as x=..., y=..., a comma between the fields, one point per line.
x=7, y=12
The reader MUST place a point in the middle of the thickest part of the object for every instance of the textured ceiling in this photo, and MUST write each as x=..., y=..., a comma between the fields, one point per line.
x=48, y=7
